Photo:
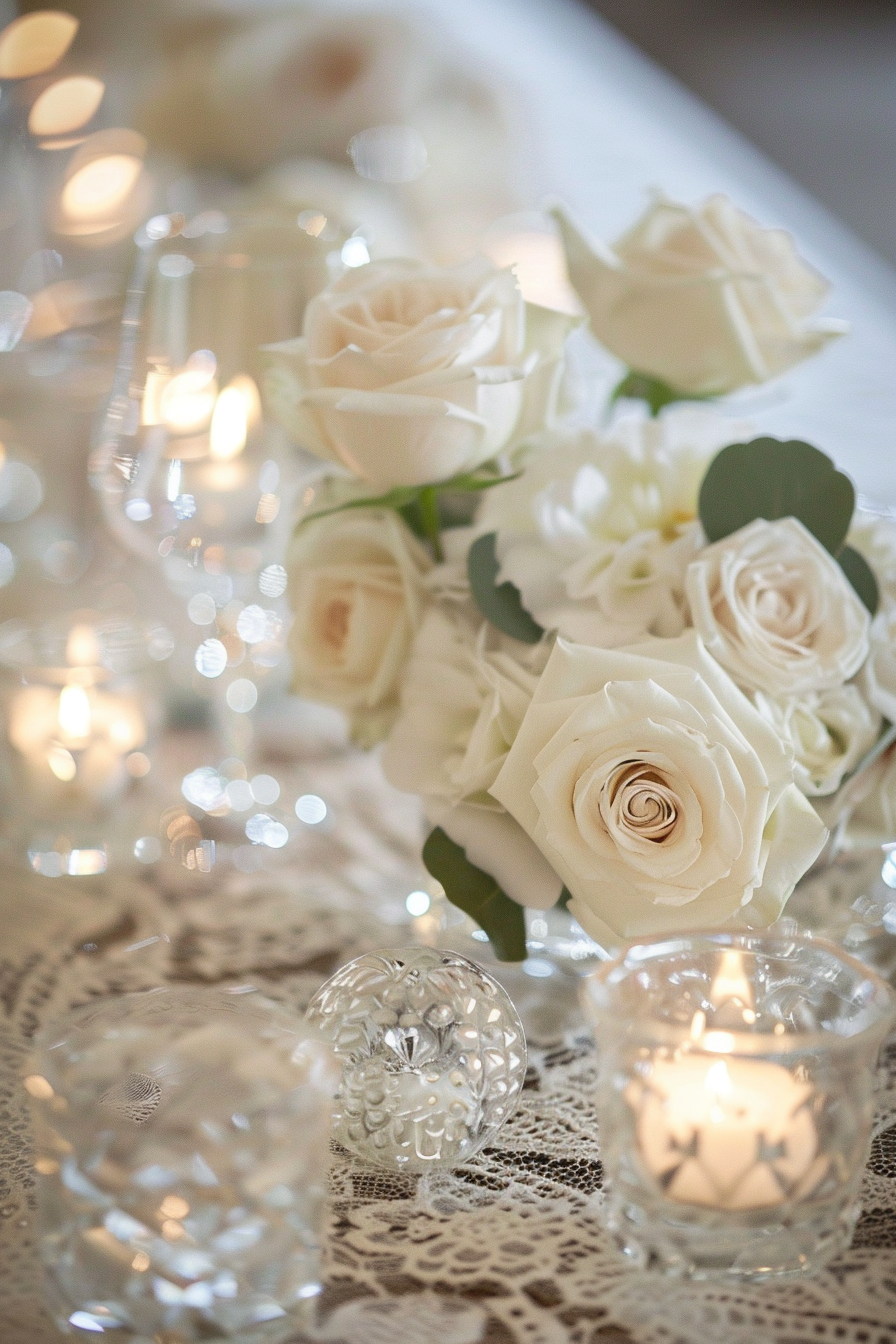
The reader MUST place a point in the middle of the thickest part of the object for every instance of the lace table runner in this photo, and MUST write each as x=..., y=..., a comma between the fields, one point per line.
x=506, y=1249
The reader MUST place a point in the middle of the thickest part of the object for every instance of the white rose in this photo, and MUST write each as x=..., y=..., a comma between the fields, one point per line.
x=830, y=732
x=874, y=536
x=598, y=531
x=356, y=586
x=775, y=608
x=408, y=374
x=245, y=84
x=878, y=676
x=657, y=792
x=482, y=683
x=704, y=299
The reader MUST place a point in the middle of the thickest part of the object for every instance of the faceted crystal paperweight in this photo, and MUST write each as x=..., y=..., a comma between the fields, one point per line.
x=433, y=1055
x=181, y=1142
x=735, y=1100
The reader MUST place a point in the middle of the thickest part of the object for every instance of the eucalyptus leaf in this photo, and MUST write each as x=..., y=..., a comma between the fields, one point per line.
x=861, y=576
x=499, y=603
x=771, y=478
x=478, y=895
x=657, y=394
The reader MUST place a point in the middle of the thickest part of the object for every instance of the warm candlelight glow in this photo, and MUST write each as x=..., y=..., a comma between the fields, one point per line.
x=78, y=733
x=727, y=1133
x=731, y=983
x=100, y=188
x=81, y=647
x=66, y=105
x=74, y=714
x=188, y=399
x=34, y=43
x=237, y=409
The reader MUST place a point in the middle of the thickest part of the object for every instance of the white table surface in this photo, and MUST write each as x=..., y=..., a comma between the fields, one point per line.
x=608, y=126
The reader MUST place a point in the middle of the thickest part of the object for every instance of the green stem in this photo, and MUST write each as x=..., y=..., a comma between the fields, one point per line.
x=429, y=514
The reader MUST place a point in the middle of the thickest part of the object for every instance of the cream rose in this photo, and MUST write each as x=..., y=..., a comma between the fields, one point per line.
x=657, y=792
x=356, y=586
x=598, y=531
x=408, y=374
x=775, y=609
x=704, y=299
x=830, y=732
x=878, y=676
x=485, y=682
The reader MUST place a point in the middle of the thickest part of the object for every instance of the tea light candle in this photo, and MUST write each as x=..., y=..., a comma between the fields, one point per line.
x=78, y=735
x=726, y=1133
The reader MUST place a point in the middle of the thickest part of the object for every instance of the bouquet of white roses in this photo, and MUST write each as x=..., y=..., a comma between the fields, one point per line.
x=621, y=665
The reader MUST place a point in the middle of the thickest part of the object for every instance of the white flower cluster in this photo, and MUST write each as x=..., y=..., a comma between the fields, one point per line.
x=655, y=751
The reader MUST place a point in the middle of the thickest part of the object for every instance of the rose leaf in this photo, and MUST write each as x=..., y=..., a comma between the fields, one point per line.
x=499, y=603
x=861, y=576
x=478, y=895
x=770, y=478
x=644, y=387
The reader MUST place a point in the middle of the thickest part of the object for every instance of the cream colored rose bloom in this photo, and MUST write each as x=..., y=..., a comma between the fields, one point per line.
x=657, y=792
x=776, y=610
x=598, y=531
x=830, y=732
x=451, y=756
x=878, y=676
x=408, y=374
x=705, y=299
x=356, y=587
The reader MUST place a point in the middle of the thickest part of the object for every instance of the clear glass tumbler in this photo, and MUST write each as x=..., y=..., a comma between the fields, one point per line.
x=735, y=1100
x=181, y=1142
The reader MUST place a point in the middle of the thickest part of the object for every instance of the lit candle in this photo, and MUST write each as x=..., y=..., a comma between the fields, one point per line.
x=726, y=1133
x=78, y=736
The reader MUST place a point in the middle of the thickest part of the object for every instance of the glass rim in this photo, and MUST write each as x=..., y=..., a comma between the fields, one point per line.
x=874, y=1019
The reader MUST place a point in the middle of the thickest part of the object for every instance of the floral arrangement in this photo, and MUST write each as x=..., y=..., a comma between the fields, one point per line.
x=626, y=666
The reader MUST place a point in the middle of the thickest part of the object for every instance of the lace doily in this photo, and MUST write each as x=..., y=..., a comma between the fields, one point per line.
x=507, y=1249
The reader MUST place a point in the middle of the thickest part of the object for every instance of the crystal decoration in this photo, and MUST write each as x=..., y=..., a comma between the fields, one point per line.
x=180, y=1143
x=433, y=1054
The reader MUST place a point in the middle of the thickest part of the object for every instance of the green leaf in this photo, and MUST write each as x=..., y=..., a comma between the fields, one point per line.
x=657, y=394
x=861, y=576
x=499, y=603
x=478, y=895
x=563, y=899
x=770, y=478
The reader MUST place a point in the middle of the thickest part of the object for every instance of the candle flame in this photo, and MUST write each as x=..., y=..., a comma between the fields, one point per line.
x=74, y=712
x=238, y=407
x=718, y=1080
x=187, y=401
x=731, y=983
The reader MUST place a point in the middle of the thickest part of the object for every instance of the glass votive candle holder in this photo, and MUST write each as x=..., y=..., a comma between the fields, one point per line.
x=78, y=720
x=181, y=1141
x=735, y=1100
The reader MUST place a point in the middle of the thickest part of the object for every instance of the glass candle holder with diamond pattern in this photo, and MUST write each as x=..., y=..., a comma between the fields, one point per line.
x=433, y=1055
x=735, y=1100
x=181, y=1144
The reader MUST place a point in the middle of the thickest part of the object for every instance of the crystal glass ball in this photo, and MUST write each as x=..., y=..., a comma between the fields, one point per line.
x=433, y=1052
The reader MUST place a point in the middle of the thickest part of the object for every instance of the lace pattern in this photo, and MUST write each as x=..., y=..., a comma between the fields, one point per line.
x=506, y=1249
